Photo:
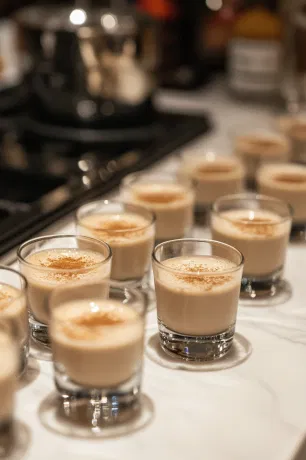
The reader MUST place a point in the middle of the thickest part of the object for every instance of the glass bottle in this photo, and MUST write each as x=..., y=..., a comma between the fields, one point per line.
x=255, y=51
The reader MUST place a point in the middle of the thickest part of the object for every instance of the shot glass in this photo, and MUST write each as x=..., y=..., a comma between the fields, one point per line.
x=212, y=176
x=9, y=369
x=197, y=285
x=98, y=346
x=258, y=145
x=51, y=261
x=287, y=182
x=172, y=202
x=293, y=126
x=259, y=226
x=130, y=232
x=14, y=310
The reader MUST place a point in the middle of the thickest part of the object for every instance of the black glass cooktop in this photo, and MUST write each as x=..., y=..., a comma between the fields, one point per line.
x=47, y=171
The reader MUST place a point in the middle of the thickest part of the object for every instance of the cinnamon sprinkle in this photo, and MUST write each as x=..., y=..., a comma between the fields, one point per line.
x=5, y=299
x=162, y=197
x=206, y=281
x=4, y=296
x=261, y=143
x=68, y=262
x=90, y=326
x=120, y=228
x=290, y=178
x=214, y=169
x=257, y=226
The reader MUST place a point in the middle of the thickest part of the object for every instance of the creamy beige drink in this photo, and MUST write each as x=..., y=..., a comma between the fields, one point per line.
x=261, y=235
x=295, y=128
x=130, y=236
x=48, y=269
x=172, y=204
x=8, y=375
x=99, y=343
x=261, y=147
x=212, y=177
x=13, y=310
x=200, y=297
x=287, y=183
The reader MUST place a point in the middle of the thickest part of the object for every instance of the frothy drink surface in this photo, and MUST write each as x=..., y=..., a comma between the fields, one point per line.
x=116, y=228
x=171, y=203
x=287, y=183
x=159, y=195
x=53, y=267
x=99, y=342
x=256, y=149
x=7, y=295
x=212, y=179
x=8, y=375
x=200, y=297
x=260, y=235
x=13, y=308
x=131, y=237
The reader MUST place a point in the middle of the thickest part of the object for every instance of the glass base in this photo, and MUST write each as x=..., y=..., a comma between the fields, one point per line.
x=40, y=341
x=195, y=348
x=39, y=332
x=298, y=233
x=238, y=353
x=81, y=418
x=92, y=410
x=270, y=290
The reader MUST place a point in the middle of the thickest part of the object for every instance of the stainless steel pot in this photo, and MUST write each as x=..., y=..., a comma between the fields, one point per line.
x=90, y=66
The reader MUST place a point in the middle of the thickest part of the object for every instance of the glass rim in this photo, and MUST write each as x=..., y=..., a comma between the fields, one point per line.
x=123, y=203
x=266, y=127
x=22, y=260
x=23, y=290
x=212, y=155
x=274, y=166
x=139, y=297
x=196, y=240
x=256, y=197
x=161, y=178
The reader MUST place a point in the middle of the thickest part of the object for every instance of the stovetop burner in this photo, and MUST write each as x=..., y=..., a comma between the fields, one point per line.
x=42, y=178
x=85, y=135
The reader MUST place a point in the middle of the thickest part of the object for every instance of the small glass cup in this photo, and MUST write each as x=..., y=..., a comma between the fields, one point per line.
x=172, y=202
x=287, y=182
x=259, y=226
x=197, y=285
x=98, y=346
x=51, y=261
x=130, y=232
x=212, y=176
x=256, y=144
x=9, y=369
x=293, y=126
x=14, y=309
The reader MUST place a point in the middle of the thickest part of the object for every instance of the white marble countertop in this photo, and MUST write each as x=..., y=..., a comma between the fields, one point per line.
x=254, y=411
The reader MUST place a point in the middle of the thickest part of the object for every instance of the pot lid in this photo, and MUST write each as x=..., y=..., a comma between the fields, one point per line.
x=59, y=18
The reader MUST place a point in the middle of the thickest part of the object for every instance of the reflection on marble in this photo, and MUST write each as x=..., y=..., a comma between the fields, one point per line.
x=240, y=351
x=74, y=418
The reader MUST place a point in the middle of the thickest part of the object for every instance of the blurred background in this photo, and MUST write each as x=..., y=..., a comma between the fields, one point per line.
x=195, y=39
x=80, y=80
